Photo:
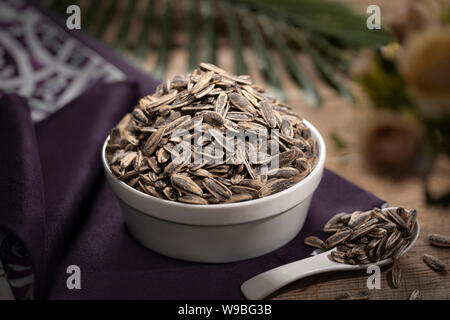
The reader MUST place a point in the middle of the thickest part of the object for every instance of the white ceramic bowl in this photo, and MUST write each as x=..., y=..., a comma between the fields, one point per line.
x=218, y=233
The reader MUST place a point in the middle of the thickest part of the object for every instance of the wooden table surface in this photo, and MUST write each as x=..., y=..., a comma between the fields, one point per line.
x=348, y=120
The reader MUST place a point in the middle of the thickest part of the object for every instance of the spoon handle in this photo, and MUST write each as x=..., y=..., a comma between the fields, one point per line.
x=268, y=282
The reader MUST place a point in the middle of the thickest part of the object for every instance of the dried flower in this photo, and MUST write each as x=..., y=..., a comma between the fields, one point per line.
x=390, y=51
x=381, y=80
x=393, y=146
x=425, y=65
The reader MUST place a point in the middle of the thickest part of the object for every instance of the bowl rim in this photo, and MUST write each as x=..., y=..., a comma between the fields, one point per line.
x=318, y=169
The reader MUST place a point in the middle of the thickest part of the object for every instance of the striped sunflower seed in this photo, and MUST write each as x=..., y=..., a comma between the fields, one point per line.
x=338, y=237
x=415, y=295
x=396, y=276
x=314, y=242
x=434, y=263
x=439, y=240
x=242, y=103
x=186, y=184
x=153, y=142
x=217, y=189
x=192, y=199
x=360, y=295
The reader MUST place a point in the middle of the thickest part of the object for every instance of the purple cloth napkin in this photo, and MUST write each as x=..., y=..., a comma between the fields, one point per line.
x=54, y=197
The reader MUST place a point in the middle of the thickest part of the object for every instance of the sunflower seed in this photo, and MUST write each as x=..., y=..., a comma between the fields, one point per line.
x=439, y=240
x=358, y=218
x=314, y=242
x=360, y=295
x=213, y=118
x=128, y=160
x=242, y=104
x=172, y=126
x=240, y=116
x=285, y=172
x=139, y=115
x=399, y=251
x=152, y=142
x=239, y=198
x=334, y=223
x=221, y=104
x=268, y=114
x=434, y=263
x=175, y=166
x=415, y=295
x=396, y=276
x=337, y=238
x=287, y=157
x=192, y=199
x=186, y=184
x=391, y=240
x=393, y=213
x=203, y=82
x=217, y=189
x=274, y=186
x=411, y=220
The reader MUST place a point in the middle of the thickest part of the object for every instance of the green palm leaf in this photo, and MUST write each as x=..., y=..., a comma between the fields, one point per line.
x=235, y=37
x=325, y=31
x=262, y=54
x=191, y=20
x=292, y=65
x=209, y=31
x=144, y=34
x=163, y=49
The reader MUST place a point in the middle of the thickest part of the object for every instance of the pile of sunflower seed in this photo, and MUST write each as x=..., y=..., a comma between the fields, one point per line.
x=367, y=237
x=143, y=152
x=436, y=240
x=396, y=273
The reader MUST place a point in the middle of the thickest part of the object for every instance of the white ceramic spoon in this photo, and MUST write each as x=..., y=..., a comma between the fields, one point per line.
x=268, y=282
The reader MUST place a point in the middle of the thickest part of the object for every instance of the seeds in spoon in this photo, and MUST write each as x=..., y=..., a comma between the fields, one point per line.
x=374, y=236
x=358, y=218
x=334, y=223
x=337, y=238
x=393, y=213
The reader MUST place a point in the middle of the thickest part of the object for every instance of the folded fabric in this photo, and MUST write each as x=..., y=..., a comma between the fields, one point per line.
x=54, y=196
